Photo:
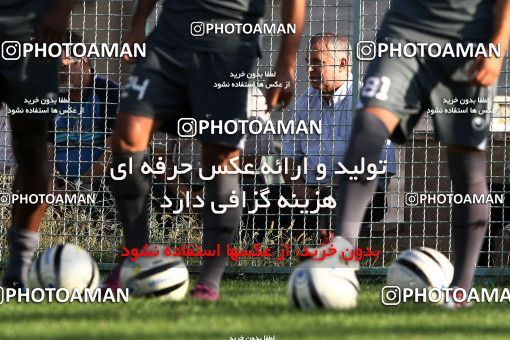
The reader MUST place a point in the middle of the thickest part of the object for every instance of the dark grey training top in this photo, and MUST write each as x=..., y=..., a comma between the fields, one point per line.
x=235, y=9
x=174, y=26
x=440, y=20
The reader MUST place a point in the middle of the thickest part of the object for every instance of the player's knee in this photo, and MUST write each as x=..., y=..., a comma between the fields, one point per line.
x=126, y=142
x=132, y=133
x=365, y=123
x=388, y=118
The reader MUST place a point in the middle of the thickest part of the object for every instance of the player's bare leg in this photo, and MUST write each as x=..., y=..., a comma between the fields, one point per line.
x=32, y=177
x=218, y=229
x=468, y=174
x=130, y=139
x=371, y=128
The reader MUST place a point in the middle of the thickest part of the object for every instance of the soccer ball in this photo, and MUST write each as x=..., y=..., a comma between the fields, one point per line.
x=313, y=286
x=420, y=268
x=165, y=277
x=64, y=266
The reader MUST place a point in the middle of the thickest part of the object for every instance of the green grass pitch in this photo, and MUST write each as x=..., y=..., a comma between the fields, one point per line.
x=250, y=308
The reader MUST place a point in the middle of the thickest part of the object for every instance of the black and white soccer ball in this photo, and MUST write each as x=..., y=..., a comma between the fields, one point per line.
x=165, y=277
x=64, y=266
x=313, y=285
x=420, y=268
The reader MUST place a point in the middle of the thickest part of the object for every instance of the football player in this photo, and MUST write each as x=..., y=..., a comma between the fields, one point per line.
x=22, y=81
x=176, y=80
x=398, y=90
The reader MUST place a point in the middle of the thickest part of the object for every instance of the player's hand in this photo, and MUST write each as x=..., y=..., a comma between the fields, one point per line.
x=135, y=36
x=485, y=71
x=54, y=23
x=278, y=97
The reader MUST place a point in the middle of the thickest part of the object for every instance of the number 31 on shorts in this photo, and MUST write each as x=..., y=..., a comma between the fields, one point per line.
x=377, y=87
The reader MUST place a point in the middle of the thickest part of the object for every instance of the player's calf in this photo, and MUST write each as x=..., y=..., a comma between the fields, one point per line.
x=219, y=229
x=368, y=141
x=131, y=196
x=470, y=221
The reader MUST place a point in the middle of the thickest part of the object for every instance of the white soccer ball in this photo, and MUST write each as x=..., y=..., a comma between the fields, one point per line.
x=64, y=266
x=420, y=268
x=312, y=286
x=165, y=277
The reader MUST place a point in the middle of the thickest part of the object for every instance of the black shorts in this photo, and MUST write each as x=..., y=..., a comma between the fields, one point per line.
x=410, y=87
x=28, y=86
x=169, y=85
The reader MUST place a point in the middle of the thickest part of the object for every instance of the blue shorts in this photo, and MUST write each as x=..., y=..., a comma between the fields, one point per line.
x=73, y=162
